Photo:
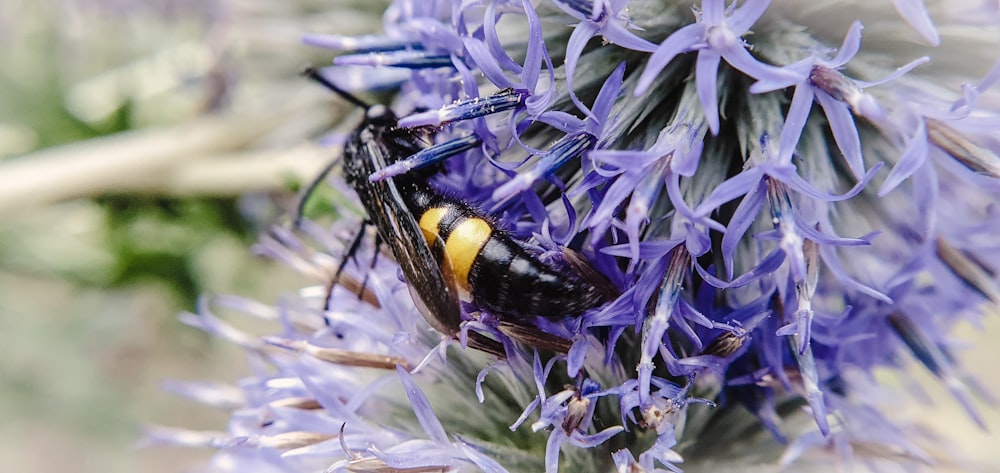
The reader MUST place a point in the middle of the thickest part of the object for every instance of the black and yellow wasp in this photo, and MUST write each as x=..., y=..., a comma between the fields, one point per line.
x=447, y=248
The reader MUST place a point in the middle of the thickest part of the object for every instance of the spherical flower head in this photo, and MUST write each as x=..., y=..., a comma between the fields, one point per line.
x=763, y=257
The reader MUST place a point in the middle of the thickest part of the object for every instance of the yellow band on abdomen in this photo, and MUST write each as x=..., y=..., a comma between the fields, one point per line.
x=463, y=243
x=429, y=222
x=463, y=246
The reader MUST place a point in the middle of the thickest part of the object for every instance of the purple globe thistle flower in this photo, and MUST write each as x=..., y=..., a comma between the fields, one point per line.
x=769, y=256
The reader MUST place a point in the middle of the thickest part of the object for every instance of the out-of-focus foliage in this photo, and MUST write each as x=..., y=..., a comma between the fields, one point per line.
x=142, y=147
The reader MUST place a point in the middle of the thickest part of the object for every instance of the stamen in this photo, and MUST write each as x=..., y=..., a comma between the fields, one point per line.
x=360, y=44
x=968, y=271
x=955, y=143
x=427, y=157
x=407, y=59
x=569, y=147
x=506, y=99
x=338, y=356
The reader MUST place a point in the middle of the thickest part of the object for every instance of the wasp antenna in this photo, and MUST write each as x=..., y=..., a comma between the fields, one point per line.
x=300, y=208
x=312, y=73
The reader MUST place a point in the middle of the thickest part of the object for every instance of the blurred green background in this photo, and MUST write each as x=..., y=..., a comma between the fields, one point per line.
x=136, y=140
x=143, y=147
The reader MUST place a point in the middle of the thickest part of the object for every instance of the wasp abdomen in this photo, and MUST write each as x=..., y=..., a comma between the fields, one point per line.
x=507, y=279
x=501, y=276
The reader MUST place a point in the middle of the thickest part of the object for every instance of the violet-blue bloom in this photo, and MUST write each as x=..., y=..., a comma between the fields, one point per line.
x=766, y=260
x=818, y=79
x=919, y=121
x=716, y=35
x=602, y=18
x=915, y=13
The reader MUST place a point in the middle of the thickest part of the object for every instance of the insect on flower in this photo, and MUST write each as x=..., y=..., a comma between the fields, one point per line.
x=447, y=249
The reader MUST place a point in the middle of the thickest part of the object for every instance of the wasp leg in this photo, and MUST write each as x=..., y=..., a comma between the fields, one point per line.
x=353, y=249
x=535, y=337
x=339, y=278
x=353, y=285
x=371, y=266
x=478, y=341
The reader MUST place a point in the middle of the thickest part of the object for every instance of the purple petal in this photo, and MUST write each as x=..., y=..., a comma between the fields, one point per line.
x=662, y=453
x=537, y=103
x=790, y=178
x=927, y=201
x=525, y=413
x=577, y=355
x=647, y=249
x=913, y=157
x=795, y=120
x=915, y=13
x=834, y=240
x=637, y=212
x=746, y=15
x=744, y=216
x=482, y=377
x=697, y=240
x=622, y=160
x=486, y=63
x=741, y=59
x=682, y=208
x=970, y=93
x=493, y=41
x=810, y=381
x=537, y=52
x=562, y=121
x=618, y=191
x=415, y=454
x=706, y=79
x=579, y=9
x=849, y=48
x=685, y=161
x=422, y=408
x=481, y=460
x=797, y=73
x=897, y=73
x=713, y=12
x=692, y=314
x=583, y=32
x=766, y=267
x=680, y=41
x=210, y=394
x=608, y=95
x=615, y=33
x=624, y=461
x=845, y=133
x=728, y=190
x=434, y=34
x=556, y=439
x=832, y=263
x=593, y=440
x=156, y=435
x=676, y=197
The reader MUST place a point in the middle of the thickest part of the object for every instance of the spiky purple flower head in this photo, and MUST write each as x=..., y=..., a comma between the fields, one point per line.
x=770, y=255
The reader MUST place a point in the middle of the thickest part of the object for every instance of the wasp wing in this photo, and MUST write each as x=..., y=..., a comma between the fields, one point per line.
x=401, y=232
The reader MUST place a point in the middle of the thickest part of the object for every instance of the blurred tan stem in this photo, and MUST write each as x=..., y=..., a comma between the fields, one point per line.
x=203, y=156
